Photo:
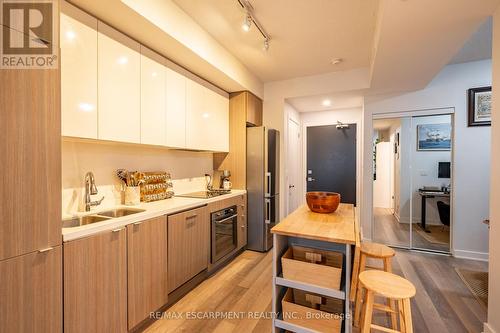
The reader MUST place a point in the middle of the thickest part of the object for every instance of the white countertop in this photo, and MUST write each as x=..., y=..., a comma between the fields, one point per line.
x=152, y=209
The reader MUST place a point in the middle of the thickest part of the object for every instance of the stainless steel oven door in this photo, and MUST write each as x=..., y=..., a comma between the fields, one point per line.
x=224, y=236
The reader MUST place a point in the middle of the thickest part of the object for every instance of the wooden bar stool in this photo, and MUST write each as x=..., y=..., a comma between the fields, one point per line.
x=392, y=287
x=374, y=251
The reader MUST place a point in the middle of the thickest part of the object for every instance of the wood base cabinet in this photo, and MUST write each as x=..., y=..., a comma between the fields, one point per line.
x=95, y=283
x=242, y=221
x=31, y=292
x=188, y=245
x=147, y=268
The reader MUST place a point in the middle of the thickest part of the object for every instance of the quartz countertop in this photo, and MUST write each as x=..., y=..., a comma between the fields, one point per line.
x=152, y=210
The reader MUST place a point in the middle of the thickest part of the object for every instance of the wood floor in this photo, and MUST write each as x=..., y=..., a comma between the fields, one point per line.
x=388, y=230
x=442, y=304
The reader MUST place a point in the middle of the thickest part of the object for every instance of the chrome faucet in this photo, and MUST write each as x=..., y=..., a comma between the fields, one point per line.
x=90, y=188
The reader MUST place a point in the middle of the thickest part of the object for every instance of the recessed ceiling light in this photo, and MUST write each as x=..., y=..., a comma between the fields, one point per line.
x=336, y=61
x=326, y=102
x=122, y=60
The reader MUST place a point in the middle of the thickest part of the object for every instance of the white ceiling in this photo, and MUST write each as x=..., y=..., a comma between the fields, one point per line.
x=479, y=46
x=306, y=35
x=337, y=101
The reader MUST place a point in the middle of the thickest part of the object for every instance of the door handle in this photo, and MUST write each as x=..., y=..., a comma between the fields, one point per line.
x=268, y=185
x=45, y=250
x=291, y=186
x=310, y=179
x=268, y=211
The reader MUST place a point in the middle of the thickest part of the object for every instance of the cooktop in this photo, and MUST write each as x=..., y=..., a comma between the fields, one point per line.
x=204, y=194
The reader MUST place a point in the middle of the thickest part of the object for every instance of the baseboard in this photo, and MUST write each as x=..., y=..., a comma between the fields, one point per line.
x=487, y=329
x=462, y=254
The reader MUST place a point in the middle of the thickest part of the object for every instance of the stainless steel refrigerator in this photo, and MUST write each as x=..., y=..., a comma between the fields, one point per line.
x=263, y=155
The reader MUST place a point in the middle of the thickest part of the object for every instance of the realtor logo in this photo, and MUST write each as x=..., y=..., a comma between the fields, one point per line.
x=29, y=34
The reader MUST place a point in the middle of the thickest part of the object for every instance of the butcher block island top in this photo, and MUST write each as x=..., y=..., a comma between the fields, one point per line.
x=337, y=227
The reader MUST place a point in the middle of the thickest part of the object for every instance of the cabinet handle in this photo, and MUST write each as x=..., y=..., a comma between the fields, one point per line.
x=117, y=230
x=138, y=223
x=242, y=227
x=45, y=250
x=191, y=217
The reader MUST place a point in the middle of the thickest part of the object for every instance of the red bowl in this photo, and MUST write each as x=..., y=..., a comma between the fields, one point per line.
x=323, y=202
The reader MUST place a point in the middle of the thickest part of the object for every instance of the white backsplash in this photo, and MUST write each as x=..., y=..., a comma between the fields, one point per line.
x=73, y=198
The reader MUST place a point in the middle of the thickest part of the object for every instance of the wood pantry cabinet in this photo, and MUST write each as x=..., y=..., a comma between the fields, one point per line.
x=95, y=283
x=242, y=221
x=30, y=146
x=188, y=245
x=147, y=268
x=31, y=292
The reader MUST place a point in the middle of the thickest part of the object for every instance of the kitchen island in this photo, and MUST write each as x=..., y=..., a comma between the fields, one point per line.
x=332, y=232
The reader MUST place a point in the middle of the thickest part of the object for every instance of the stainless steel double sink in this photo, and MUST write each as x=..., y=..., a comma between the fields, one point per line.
x=99, y=217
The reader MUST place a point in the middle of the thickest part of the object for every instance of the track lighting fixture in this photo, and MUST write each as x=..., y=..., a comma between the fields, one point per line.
x=250, y=18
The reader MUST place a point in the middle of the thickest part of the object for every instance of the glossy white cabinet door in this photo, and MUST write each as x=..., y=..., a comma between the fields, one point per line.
x=219, y=121
x=153, y=100
x=78, y=74
x=119, y=79
x=199, y=117
x=176, y=109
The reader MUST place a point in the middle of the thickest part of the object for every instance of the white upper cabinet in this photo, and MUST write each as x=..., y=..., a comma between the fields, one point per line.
x=153, y=98
x=176, y=109
x=119, y=80
x=78, y=73
x=207, y=119
x=219, y=111
x=198, y=117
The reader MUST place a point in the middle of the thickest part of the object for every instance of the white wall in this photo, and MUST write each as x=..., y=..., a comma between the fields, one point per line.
x=472, y=151
x=493, y=324
x=103, y=159
x=275, y=94
x=347, y=116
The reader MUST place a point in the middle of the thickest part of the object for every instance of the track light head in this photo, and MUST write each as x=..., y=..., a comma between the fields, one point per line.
x=266, y=44
x=247, y=23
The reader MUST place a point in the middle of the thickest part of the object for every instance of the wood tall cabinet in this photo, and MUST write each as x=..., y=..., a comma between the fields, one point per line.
x=245, y=109
x=147, y=268
x=188, y=245
x=31, y=292
x=30, y=149
x=95, y=283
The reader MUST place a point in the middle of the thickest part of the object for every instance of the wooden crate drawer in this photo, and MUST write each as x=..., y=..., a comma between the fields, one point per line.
x=318, y=267
x=312, y=311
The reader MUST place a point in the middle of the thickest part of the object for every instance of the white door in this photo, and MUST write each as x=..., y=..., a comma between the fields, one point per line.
x=293, y=164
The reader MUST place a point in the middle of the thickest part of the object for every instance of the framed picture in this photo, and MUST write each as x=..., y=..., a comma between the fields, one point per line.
x=434, y=137
x=479, y=106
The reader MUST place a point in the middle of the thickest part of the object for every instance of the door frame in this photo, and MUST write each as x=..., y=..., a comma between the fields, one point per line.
x=299, y=164
x=329, y=122
x=422, y=113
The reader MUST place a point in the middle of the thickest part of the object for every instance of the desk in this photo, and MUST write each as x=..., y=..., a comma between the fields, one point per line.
x=429, y=194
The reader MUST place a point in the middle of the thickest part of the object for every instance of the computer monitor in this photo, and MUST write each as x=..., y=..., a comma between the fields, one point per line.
x=444, y=170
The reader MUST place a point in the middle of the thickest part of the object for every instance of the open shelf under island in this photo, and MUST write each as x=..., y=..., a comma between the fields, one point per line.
x=325, y=232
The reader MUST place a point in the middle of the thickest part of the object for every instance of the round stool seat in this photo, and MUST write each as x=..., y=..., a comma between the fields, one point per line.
x=387, y=284
x=377, y=250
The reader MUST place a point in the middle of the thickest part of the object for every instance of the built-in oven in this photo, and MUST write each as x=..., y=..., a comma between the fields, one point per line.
x=224, y=232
